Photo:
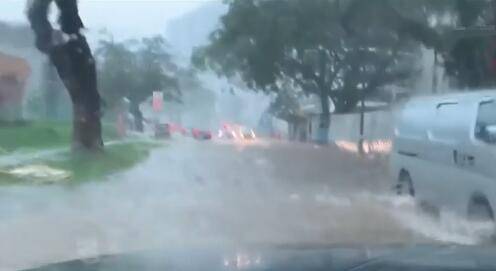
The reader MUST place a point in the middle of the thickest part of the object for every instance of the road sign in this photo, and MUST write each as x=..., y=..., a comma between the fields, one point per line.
x=158, y=101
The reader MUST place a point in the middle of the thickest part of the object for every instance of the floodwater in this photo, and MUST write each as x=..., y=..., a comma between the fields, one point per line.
x=219, y=194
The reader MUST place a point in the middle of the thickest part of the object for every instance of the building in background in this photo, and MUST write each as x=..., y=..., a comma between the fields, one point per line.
x=14, y=73
x=44, y=93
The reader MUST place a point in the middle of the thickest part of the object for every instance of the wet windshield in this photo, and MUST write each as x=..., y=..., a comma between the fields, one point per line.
x=139, y=125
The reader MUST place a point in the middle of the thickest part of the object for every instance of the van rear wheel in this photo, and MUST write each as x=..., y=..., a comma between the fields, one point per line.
x=479, y=210
x=405, y=185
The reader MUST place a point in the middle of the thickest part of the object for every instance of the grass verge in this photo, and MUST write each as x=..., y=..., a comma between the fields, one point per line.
x=40, y=135
x=89, y=166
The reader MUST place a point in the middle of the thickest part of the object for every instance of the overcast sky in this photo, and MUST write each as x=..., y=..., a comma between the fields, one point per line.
x=123, y=18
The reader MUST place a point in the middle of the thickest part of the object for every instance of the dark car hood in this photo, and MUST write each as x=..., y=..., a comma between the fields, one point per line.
x=294, y=258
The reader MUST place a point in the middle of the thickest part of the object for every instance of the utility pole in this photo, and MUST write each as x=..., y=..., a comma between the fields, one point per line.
x=325, y=118
x=434, y=73
x=362, y=122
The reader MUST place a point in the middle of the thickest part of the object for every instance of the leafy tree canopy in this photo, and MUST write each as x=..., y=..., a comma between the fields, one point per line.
x=135, y=69
x=310, y=44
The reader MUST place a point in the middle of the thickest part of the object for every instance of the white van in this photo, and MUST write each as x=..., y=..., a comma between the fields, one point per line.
x=444, y=152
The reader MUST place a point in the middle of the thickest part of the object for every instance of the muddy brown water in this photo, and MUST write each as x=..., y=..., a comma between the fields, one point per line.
x=222, y=194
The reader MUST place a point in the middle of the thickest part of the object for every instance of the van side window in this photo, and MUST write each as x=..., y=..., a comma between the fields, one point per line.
x=486, y=122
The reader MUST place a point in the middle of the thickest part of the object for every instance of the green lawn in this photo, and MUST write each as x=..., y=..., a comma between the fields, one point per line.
x=90, y=166
x=34, y=136
x=40, y=135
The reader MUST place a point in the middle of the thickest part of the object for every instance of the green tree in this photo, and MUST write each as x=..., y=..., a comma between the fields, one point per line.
x=469, y=59
x=265, y=42
x=461, y=31
x=117, y=70
x=135, y=73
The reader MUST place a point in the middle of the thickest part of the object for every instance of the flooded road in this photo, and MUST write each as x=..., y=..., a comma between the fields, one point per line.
x=218, y=194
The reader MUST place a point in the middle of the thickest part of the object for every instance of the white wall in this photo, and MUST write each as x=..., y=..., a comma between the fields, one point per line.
x=377, y=125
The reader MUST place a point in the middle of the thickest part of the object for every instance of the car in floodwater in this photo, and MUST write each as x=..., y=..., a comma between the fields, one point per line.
x=444, y=152
x=162, y=131
x=199, y=134
x=228, y=131
x=226, y=134
x=247, y=134
x=177, y=129
x=236, y=132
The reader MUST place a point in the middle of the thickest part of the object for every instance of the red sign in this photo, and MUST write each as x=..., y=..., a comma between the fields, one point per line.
x=158, y=101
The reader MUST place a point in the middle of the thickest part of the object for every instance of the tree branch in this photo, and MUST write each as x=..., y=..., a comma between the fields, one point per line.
x=402, y=25
x=38, y=17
